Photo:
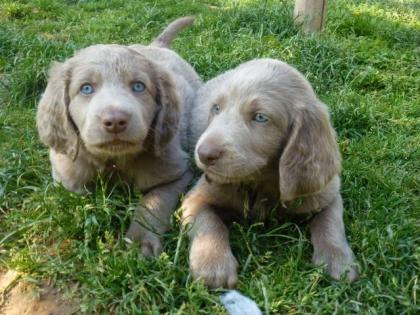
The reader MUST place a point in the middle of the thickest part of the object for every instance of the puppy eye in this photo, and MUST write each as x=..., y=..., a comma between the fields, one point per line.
x=87, y=89
x=260, y=118
x=138, y=87
x=215, y=109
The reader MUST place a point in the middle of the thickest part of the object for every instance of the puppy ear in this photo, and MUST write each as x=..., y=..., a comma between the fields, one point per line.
x=167, y=118
x=55, y=127
x=311, y=157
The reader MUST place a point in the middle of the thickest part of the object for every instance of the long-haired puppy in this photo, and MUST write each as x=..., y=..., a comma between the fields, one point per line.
x=264, y=141
x=114, y=108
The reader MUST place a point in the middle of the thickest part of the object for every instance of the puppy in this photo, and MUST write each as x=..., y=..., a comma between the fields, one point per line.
x=114, y=108
x=264, y=142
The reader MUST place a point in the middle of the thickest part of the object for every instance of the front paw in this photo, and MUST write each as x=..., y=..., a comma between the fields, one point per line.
x=213, y=262
x=150, y=243
x=338, y=262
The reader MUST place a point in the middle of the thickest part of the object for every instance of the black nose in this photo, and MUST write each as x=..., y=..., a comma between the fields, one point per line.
x=209, y=153
x=115, y=121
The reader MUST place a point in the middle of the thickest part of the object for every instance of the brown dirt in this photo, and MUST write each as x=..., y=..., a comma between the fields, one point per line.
x=19, y=297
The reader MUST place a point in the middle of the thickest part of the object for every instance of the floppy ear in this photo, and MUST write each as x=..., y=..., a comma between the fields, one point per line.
x=167, y=118
x=311, y=157
x=55, y=127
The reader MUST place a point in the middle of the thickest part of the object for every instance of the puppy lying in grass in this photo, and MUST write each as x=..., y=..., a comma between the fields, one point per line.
x=263, y=139
x=123, y=109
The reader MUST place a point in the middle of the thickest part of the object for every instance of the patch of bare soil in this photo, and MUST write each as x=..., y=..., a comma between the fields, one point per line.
x=18, y=297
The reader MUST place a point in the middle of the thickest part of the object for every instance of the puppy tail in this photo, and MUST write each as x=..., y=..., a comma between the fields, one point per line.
x=169, y=33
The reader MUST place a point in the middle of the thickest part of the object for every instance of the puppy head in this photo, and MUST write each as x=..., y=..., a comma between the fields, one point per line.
x=265, y=113
x=113, y=99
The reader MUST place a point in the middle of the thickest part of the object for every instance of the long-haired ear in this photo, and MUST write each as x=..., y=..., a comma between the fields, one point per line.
x=167, y=118
x=311, y=157
x=55, y=127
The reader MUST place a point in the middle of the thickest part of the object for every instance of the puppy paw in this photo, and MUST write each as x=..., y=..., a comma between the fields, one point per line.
x=338, y=262
x=150, y=243
x=214, y=264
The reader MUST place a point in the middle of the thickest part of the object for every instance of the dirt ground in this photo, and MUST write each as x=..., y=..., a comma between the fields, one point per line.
x=19, y=297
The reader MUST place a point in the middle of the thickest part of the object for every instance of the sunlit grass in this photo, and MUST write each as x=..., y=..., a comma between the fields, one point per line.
x=364, y=66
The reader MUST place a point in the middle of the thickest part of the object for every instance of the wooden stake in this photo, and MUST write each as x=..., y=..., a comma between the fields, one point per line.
x=310, y=14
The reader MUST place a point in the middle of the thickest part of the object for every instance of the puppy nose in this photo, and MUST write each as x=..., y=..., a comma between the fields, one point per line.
x=115, y=121
x=209, y=153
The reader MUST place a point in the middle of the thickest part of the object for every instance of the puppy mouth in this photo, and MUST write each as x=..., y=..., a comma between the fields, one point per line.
x=229, y=177
x=115, y=147
x=116, y=143
x=232, y=169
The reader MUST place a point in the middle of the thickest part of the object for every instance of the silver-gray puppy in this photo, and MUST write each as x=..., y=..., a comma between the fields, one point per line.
x=124, y=109
x=264, y=141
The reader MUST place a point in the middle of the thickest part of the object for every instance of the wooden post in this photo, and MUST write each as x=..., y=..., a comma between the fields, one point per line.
x=310, y=14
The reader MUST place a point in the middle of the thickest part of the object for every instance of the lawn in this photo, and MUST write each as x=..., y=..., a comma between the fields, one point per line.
x=365, y=66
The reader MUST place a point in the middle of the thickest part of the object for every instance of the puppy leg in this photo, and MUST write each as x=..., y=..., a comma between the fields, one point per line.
x=74, y=175
x=211, y=257
x=152, y=218
x=330, y=244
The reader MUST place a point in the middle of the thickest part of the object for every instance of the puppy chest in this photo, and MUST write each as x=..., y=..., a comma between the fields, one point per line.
x=142, y=177
x=259, y=204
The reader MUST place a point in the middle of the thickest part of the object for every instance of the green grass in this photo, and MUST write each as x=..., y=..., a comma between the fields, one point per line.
x=365, y=66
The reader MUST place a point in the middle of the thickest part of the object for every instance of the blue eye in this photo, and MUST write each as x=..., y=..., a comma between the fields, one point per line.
x=260, y=118
x=215, y=109
x=87, y=89
x=138, y=87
